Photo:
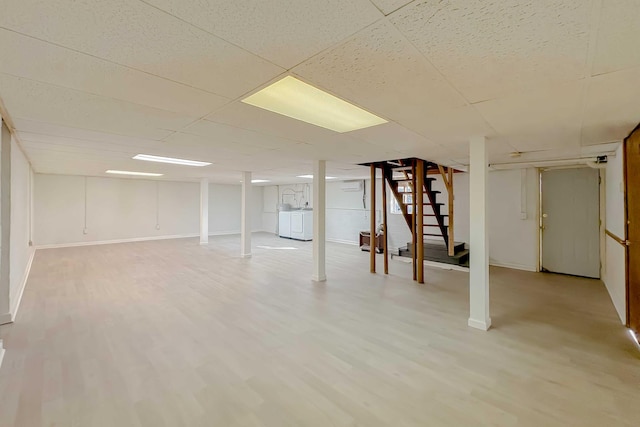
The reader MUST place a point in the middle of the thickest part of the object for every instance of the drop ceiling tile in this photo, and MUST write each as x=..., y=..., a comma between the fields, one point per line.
x=44, y=62
x=379, y=70
x=32, y=127
x=618, y=35
x=450, y=125
x=537, y=119
x=392, y=136
x=140, y=36
x=388, y=6
x=27, y=99
x=213, y=146
x=489, y=48
x=234, y=134
x=612, y=109
x=285, y=32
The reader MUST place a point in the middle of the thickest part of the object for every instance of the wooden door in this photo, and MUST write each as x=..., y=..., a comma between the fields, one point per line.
x=632, y=173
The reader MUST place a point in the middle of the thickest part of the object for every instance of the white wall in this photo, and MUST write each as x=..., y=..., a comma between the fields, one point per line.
x=614, y=269
x=124, y=209
x=21, y=252
x=513, y=236
x=513, y=219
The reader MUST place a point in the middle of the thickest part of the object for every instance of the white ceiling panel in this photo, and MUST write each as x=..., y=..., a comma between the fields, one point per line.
x=489, y=48
x=53, y=104
x=618, y=36
x=224, y=133
x=612, y=108
x=285, y=32
x=53, y=131
x=36, y=60
x=381, y=71
x=214, y=147
x=140, y=36
x=537, y=119
x=449, y=126
x=388, y=6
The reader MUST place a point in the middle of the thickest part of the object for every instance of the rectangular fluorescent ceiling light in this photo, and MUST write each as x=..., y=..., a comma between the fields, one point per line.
x=301, y=101
x=150, y=158
x=259, y=181
x=133, y=173
x=311, y=177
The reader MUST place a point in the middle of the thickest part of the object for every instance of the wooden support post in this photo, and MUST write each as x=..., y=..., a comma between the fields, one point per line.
x=385, y=248
x=414, y=231
x=420, y=218
x=450, y=229
x=372, y=235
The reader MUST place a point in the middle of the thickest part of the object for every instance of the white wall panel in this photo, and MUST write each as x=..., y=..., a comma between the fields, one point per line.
x=123, y=209
x=20, y=251
x=614, y=271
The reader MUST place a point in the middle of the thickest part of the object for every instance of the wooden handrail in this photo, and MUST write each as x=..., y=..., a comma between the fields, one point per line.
x=616, y=238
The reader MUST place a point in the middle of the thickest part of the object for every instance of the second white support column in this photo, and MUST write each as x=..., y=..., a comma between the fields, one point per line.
x=204, y=211
x=245, y=223
x=479, y=316
x=319, y=230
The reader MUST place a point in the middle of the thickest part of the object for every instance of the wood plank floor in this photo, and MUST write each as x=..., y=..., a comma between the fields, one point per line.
x=169, y=333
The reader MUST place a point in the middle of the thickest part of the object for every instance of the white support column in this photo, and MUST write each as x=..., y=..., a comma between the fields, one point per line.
x=319, y=213
x=5, y=223
x=478, y=240
x=245, y=222
x=204, y=211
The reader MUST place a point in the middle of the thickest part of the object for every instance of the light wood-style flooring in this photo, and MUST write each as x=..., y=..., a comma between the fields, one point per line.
x=170, y=333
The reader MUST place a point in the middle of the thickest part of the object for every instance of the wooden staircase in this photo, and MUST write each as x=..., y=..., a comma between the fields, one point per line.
x=410, y=181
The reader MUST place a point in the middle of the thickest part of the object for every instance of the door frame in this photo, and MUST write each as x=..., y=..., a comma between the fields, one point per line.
x=626, y=226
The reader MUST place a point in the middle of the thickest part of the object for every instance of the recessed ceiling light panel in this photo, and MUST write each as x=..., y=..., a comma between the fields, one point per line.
x=301, y=101
x=174, y=161
x=116, y=172
x=311, y=177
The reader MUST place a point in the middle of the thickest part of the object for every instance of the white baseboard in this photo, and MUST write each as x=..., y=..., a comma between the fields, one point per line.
x=15, y=304
x=513, y=266
x=483, y=325
x=111, y=242
x=137, y=239
x=344, y=242
x=5, y=318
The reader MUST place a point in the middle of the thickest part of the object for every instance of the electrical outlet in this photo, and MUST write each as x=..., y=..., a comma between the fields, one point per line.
x=85, y=231
x=157, y=226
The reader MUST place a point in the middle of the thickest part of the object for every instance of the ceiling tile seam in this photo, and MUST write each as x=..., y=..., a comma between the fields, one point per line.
x=114, y=63
x=594, y=33
x=238, y=98
x=401, y=7
x=97, y=95
x=338, y=43
x=259, y=133
x=451, y=85
x=211, y=34
x=28, y=141
x=376, y=6
x=79, y=128
x=92, y=152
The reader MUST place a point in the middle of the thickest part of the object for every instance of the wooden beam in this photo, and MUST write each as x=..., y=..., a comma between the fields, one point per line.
x=372, y=235
x=450, y=233
x=419, y=216
x=414, y=239
x=385, y=248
